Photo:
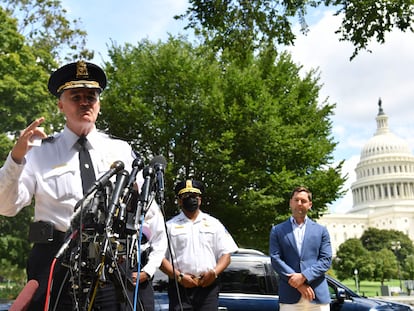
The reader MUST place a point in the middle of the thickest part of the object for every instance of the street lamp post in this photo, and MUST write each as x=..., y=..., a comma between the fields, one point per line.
x=396, y=246
x=356, y=280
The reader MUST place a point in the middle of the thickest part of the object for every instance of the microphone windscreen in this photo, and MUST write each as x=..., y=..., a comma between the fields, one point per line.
x=159, y=159
x=24, y=298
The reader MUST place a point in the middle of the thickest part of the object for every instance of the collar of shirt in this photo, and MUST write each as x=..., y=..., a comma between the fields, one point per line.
x=294, y=223
x=72, y=138
x=182, y=218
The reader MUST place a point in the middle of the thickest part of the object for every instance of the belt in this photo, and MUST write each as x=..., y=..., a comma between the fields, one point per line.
x=58, y=236
x=45, y=232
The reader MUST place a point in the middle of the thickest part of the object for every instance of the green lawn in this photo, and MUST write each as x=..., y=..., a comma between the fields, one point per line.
x=369, y=288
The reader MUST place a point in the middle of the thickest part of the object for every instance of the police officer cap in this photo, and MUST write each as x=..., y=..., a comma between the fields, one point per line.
x=77, y=75
x=193, y=186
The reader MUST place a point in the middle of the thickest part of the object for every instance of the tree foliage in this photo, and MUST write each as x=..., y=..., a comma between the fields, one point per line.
x=386, y=265
x=250, y=132
x=23, y=82
x=374, y=256
x=245, y=25
x=46, y=28
x=409, y=267
x=374, y=239
x=352, y=255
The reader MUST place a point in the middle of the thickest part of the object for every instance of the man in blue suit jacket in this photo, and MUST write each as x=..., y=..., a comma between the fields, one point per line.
x=300, y=250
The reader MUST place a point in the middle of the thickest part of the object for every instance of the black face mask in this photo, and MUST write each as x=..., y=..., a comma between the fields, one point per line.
x=190, y=204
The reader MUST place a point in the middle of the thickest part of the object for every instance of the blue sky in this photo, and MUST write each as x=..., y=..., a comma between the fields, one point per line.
x=355, y=86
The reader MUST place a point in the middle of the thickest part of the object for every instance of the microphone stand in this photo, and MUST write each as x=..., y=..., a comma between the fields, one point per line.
x=113, y=221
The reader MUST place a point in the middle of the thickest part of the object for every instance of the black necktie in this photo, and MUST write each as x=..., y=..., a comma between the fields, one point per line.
x=86, y=166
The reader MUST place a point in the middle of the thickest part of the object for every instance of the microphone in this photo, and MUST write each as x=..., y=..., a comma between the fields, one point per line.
x=148, y=174
x=87, y=203
x=121, y=180
x=159, y=163
x=25, y=297
x=137, y=165
x=116, y=167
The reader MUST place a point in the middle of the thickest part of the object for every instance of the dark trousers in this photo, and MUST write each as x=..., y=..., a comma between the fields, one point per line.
x=145, y=297
x=109, y=297
x=193, y=299
x=38, y=268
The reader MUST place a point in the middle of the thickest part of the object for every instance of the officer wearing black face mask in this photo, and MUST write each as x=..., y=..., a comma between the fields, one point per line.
x=200, y=251
x=190, y=203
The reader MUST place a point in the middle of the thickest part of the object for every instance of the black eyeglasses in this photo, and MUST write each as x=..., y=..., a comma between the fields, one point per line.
x=189, y=195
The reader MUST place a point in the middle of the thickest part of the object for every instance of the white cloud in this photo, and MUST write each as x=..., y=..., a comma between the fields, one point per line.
x=355, y=86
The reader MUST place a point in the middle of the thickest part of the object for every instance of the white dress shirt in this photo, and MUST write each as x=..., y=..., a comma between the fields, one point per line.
x=299, y=232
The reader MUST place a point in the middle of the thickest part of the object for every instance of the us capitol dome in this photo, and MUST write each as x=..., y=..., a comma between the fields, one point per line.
x=383, y=193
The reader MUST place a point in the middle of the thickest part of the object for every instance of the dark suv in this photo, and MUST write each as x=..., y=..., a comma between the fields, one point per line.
x=250, y=283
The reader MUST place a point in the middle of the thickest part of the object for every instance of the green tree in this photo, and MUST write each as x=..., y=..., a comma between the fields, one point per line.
x=23, y=83
x=242, y=25
x=352, y=255
x=250, y=132
x=409, y=267
x=48, y=31
x=386, y=265
x=399, y=243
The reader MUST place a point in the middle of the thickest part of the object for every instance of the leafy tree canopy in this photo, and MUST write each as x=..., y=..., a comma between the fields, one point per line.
x=374, y=239
x=251, y=133
x=386, y=265
x=23, y=82
x=244, y=25
x=376, y=256
x=46, y=28
x=351, y=256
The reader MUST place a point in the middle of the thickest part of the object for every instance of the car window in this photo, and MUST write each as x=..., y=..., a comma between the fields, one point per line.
x=332, y=291
x=247, y=277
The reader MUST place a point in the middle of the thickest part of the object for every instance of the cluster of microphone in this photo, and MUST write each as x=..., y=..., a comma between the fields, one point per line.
x=111, y=213
x=125, y=203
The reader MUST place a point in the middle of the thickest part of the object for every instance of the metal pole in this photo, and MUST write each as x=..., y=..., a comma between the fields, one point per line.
x=356, y=281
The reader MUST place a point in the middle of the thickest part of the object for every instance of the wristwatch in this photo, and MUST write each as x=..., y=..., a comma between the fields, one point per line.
x=180, y=277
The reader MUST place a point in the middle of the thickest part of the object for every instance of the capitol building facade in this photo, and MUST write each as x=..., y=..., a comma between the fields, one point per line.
x=383, y=193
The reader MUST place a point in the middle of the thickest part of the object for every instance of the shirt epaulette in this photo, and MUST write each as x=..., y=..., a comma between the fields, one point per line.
x=52, y=138
x=48, y=139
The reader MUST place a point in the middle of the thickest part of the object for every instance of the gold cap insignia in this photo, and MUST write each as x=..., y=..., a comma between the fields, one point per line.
x=81, y=70
x=189, y=187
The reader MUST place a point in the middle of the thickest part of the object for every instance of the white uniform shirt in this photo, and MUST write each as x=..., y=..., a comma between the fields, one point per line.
x=51, y=174
x=154, y=221
x=196, y=246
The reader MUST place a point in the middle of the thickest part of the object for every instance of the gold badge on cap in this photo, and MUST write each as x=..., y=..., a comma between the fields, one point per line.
x=81, y=70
